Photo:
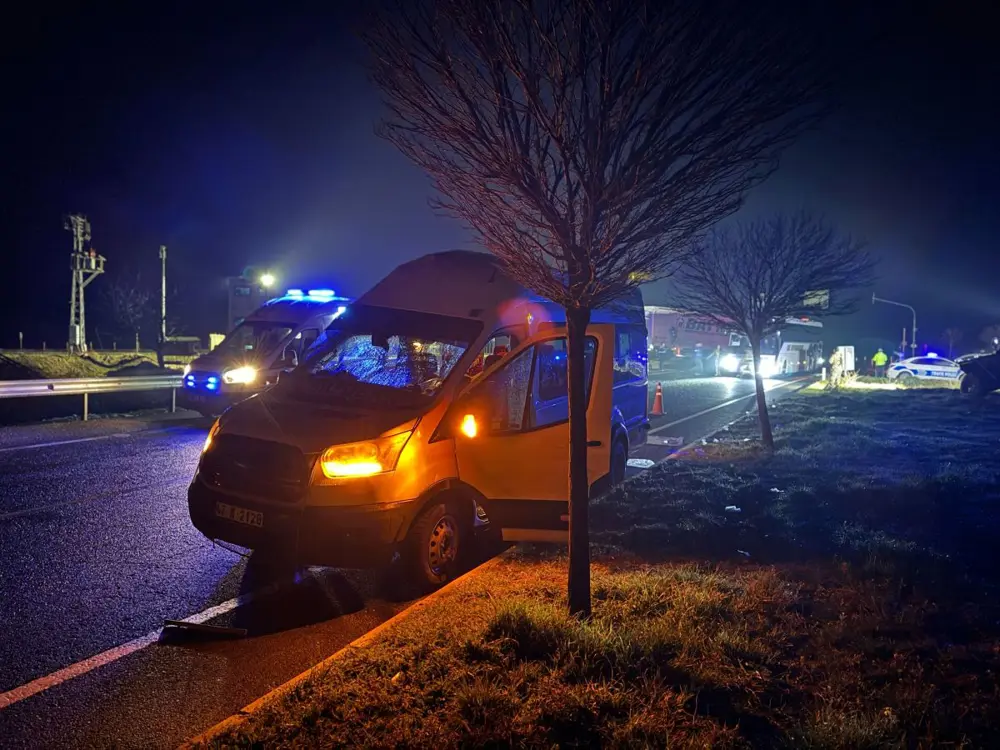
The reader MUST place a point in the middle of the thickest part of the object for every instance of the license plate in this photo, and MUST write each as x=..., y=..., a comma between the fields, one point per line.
x=239, y=515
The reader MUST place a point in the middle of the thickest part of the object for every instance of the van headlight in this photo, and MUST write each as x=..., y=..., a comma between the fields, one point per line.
x=730, y=363
x=240, y=376
x=364, y=459
x=211, y=437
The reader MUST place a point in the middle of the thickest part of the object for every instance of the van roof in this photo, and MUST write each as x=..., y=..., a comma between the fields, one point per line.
x=296, y=309
x=472, y=284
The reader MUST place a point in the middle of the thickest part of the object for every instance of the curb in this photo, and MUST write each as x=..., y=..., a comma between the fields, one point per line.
x=278, y=693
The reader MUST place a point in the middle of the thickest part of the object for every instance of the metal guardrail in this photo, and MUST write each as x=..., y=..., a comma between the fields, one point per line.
x=87, y=386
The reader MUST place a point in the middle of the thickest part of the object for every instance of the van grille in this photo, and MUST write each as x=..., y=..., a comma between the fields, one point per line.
x=259, y=468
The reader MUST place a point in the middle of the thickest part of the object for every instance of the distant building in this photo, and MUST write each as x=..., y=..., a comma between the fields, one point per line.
x=245, y=296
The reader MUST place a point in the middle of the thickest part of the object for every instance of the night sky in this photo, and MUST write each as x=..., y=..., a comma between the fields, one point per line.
x=241, y=136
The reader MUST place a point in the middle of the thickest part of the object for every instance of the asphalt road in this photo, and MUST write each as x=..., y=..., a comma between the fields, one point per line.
x=97, y=551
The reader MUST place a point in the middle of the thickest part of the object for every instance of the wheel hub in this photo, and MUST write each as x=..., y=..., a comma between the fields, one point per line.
x=443, y=544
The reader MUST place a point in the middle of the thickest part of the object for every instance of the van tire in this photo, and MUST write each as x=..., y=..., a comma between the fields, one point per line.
x=434, y=545
x=619, y=462
x=973, y=386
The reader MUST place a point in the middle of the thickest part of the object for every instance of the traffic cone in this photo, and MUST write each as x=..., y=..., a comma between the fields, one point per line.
x=658, y=401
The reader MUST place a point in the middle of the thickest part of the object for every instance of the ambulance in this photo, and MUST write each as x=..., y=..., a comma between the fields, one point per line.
x=267, y=342
x=434, y=406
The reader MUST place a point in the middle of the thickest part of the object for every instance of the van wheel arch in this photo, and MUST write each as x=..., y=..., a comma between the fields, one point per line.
x=461, y=497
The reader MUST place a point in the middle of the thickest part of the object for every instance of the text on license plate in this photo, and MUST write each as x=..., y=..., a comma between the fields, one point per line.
x=240, y=515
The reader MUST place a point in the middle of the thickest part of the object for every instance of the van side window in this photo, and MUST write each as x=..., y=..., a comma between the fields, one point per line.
x=507, y=390
x=309, y=337
x=550, y=401
x=498, y=347
x=630, y=354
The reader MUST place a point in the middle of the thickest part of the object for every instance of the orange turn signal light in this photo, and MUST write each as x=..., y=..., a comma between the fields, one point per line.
x=468, y=426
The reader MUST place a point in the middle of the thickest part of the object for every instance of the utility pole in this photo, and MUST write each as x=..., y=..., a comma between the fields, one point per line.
x=913, y=336
x=163, y=292
x=86, y=267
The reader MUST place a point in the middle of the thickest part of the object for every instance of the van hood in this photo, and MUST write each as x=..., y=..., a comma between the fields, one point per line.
x=217, y=361
x=310, y=427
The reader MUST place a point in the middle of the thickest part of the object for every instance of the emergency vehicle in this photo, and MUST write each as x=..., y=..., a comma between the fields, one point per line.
x=267, y=342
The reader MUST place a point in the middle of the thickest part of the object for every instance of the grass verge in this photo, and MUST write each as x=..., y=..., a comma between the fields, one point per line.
x=22, y=365
x=838, y=594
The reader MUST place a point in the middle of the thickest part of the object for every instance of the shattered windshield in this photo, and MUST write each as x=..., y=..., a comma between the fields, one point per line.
x=385, y=357
x=257, y=337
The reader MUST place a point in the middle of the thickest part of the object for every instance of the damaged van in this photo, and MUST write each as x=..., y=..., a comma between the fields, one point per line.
x=435, y=405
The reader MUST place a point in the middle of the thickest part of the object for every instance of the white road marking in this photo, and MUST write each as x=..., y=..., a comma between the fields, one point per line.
x=65, y=674
x=54, y=443
x=724, y=404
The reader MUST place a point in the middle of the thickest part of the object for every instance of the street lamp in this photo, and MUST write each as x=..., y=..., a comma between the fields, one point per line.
x=913, y=337
x=267, y=280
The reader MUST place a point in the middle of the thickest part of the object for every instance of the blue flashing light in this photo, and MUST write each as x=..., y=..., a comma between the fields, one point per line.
x=322, y=293
x=295, y=293
x=932, y=355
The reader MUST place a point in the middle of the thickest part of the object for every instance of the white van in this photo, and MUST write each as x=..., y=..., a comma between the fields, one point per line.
x=267, y=342
x=435, y=404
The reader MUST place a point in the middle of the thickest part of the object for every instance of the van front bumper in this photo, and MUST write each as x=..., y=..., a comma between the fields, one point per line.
x=362, y=536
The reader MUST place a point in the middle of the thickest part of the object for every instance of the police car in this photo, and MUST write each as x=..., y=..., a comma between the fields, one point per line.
x=930, y=367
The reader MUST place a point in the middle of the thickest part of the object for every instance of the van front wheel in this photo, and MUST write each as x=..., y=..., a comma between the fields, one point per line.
x=433, y=545
x=619, y=462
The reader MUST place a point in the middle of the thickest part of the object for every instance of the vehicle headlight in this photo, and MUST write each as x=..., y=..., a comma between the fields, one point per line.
x=364, y=459
x=187, y=370
x=241, y=375
x=767, y=369
x=211, y=436
x=730, y=363
x=820, y=361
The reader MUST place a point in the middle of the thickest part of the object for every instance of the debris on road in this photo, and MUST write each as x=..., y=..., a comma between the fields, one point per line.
x=640, y=463
x=671, y=442
x=733, y=509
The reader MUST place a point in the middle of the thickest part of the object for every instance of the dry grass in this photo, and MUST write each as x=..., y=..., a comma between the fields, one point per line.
x=675, y=655
x=19, y=365
x=850, y=602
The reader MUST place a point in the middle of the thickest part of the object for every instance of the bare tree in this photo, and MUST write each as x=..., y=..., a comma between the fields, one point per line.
x=130, y=303
x=757, y=275
x=586, y=143
x=952, y=336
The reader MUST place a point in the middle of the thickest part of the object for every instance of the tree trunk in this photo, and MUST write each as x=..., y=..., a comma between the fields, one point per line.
x=579, y=486
x=765, y=419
